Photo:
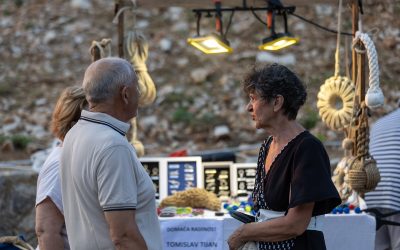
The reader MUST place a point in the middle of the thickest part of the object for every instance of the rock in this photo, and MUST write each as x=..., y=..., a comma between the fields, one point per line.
x=221, y=131
x=324, y=9
x=7, y=146
x=390, y=43
x=41, y=102
x=199, y=75
x=37, y=131
x=17, y=203
x=81, y=4
x=287, y=59
x=180, y=26
x=165, y=44
x=39, y=158
x=49, y=36
x=148, y=121
x=142, y=24
x=182, y=62
x=10, y=127
x=174, y=13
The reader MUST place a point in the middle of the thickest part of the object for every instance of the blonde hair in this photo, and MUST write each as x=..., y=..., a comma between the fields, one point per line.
x=67, y=111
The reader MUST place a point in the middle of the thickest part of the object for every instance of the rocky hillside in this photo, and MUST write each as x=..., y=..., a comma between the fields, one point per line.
x=199, y=106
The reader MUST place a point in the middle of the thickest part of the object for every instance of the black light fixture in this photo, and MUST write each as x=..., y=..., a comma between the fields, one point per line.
x=213, y=43
x=216, y=43
x=277, y=41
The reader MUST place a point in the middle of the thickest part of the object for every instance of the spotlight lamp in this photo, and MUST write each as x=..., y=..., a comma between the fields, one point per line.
x=213, y=43
x=277, y=41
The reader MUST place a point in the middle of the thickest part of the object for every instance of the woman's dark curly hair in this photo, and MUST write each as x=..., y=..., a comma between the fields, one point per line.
x=273, y=80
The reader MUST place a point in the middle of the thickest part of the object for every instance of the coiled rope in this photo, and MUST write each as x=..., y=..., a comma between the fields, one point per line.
x=138, y=48
x=374, y=97
x=336, y=89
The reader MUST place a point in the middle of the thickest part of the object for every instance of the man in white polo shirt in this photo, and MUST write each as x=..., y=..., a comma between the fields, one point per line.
x=109, y=199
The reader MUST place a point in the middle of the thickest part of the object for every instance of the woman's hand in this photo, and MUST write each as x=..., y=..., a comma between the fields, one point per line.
x=236, y=239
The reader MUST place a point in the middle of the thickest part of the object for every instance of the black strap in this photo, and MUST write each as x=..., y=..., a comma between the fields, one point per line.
x=378, y=217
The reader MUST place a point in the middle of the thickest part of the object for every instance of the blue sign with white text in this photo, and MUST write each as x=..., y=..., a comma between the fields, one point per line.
x=181, y=176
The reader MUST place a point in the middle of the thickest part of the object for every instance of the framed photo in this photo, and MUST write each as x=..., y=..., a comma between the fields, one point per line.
x=218, y=178
x=182, y=173
x=244, y=178
x=153, y=166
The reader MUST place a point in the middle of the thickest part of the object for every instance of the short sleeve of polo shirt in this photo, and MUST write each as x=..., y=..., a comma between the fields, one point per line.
x=311, y=178
x=117, y=188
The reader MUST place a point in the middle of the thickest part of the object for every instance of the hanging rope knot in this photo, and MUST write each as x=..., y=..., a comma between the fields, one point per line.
x=120, y=11
x=374, y=97
x=140, y=68
x=103, y=47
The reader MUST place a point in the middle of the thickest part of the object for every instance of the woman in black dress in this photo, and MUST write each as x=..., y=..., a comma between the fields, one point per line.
x=293, y=183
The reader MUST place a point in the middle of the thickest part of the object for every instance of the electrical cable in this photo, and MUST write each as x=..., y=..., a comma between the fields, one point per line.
x=303, y=19
x=257, y=17
x=229, y=23
x=320, y=26
x=198, y=23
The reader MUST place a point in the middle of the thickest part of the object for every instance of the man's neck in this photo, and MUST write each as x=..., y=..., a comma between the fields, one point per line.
x=108, y=109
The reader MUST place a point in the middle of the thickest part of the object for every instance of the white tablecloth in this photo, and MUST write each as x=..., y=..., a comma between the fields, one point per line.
x=341, y=232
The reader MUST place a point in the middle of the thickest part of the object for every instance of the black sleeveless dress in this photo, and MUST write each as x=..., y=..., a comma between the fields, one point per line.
x=302, y=166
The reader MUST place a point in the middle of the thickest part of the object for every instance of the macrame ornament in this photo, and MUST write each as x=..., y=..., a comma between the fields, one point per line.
x=340, y=173
x=363, y=175
x=335, y=98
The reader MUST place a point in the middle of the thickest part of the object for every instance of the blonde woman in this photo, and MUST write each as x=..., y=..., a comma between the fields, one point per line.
x=50, y=225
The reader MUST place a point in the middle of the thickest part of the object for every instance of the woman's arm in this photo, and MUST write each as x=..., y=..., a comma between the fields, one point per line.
x=279, y=229
x=49, y=223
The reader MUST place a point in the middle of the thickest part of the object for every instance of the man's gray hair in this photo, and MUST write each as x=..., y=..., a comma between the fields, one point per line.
x=103, y=78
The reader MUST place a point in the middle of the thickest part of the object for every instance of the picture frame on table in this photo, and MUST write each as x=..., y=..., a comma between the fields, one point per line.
x=244, y=180
x=218, y=178
x=155, y=166
x=182, y=173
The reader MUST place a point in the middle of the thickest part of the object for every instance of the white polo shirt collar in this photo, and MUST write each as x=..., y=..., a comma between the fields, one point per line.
x=107, y=120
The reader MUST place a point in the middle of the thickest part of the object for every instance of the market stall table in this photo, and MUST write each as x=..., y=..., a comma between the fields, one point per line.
x=342, y=232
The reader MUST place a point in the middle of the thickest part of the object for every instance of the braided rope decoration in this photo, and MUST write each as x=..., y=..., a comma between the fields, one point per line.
x=138, y=50
x=336, y=89
x=363, y=175
x=374, y=97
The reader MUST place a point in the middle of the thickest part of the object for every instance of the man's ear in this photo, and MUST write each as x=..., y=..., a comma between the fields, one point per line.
x=278, y=103
x=125, y=94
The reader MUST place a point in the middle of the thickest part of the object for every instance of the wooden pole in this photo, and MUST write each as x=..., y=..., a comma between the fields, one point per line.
x=95, y=54
x=358, y=73
x=118, y=6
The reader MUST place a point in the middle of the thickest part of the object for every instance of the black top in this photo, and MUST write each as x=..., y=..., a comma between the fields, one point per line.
x=303, y=167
